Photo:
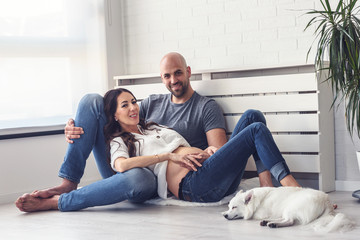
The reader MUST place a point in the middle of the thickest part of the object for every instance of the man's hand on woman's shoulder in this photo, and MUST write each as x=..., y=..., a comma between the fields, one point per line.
x=72, y=132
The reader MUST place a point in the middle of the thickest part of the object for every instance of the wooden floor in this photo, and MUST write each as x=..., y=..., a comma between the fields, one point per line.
x=144, y=221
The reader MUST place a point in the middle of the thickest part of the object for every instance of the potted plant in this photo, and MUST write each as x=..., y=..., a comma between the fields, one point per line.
x=338, y=54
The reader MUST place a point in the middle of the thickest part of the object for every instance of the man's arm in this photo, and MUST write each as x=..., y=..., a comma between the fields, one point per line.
x=216, y=137
x=214, y=124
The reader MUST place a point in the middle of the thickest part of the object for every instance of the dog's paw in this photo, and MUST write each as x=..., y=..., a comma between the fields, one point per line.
x=272, y=225
x=263, y=223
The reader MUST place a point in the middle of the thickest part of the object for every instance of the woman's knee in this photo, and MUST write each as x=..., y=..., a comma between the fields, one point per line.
x=140, y=175
x=142, y=182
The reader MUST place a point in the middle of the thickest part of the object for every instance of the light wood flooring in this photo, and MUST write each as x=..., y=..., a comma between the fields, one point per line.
x=143, y=221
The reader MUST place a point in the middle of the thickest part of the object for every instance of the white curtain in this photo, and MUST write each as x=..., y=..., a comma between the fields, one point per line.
x=51, y=54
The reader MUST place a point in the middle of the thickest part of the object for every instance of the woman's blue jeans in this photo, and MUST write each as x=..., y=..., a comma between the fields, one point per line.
x=136, y=185
x=221, y=173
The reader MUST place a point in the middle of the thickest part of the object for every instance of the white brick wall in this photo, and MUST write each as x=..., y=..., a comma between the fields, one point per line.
x=225, y=34
x=253, y=32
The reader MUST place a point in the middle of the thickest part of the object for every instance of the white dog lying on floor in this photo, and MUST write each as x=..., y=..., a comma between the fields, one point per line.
x=285, y=206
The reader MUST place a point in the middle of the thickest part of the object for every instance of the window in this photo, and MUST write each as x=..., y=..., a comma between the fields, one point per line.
x=51, y=54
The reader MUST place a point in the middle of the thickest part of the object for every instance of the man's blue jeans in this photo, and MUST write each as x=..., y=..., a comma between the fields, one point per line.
x=136, y=185
x=220, y=174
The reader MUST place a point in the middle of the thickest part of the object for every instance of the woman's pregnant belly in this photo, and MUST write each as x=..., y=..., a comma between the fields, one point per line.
x=175, y=172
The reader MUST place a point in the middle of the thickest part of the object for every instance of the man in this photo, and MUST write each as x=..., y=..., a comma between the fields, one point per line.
x=197, y=118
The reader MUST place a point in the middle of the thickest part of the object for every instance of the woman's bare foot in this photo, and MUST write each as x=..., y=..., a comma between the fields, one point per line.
x=28, y=203
x=65, y=187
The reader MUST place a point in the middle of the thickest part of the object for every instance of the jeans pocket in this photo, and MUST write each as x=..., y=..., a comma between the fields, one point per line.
x=213, y=195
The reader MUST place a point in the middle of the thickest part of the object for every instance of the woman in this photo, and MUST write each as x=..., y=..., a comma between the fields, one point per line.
x=188, y=173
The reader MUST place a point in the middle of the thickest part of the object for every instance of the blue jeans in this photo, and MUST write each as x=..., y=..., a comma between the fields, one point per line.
x=135, y=185
x=221, y=173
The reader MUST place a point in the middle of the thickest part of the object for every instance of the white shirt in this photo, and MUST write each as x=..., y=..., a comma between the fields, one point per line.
x=154, y=141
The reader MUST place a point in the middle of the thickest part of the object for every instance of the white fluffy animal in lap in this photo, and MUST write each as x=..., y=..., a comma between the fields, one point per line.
x=286, y=206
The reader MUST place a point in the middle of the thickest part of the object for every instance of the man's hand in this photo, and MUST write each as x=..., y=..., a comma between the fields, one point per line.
x=211, y=150
x=72, y=132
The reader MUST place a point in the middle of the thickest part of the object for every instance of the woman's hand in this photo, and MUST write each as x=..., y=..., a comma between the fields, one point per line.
x=72, y=132
x=200, y=157
x=211, y=150
x=189, y=161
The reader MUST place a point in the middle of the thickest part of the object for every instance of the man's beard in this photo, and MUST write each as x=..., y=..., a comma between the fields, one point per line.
x=179, y=93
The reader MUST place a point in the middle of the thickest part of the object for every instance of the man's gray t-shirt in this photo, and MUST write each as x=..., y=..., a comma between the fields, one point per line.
x=191, y=119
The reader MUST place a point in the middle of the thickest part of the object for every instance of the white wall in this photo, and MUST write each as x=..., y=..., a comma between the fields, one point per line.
x=115, y=40
x=216, y=33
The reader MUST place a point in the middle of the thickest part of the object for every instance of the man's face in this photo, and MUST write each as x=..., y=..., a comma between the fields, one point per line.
x=175, y=75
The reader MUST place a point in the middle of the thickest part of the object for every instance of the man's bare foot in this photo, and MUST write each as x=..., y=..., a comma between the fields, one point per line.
x=28, y=203
x=65, y=187
x=289, y=181
x=265, y=179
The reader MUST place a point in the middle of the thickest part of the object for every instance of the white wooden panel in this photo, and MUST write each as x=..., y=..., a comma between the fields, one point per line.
x=271, y=103
x=247, y=85
x=296, y=163
x=283, y=122
x=262, y=84
x=296, y=143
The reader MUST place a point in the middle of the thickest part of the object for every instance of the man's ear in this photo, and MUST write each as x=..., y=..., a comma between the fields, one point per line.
x=248, y=196
x=188, y=70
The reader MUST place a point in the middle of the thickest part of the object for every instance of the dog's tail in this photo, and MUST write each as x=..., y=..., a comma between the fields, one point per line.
x=333, y=222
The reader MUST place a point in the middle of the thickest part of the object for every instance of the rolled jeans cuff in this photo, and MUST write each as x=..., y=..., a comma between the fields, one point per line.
x=279, y=171
x=74, y=180
x=59, y=204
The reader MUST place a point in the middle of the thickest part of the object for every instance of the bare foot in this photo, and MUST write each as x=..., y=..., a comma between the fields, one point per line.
x=28, y=203
x=265, y=179
x=65, y=187
x=289, y=181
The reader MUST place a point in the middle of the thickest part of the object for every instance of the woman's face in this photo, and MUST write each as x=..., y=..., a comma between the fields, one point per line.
x=127, y=112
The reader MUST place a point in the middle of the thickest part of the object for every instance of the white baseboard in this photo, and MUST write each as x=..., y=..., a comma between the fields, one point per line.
x=347, y=185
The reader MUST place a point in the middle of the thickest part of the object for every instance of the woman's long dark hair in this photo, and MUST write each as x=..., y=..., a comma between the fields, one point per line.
x=113, y=129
